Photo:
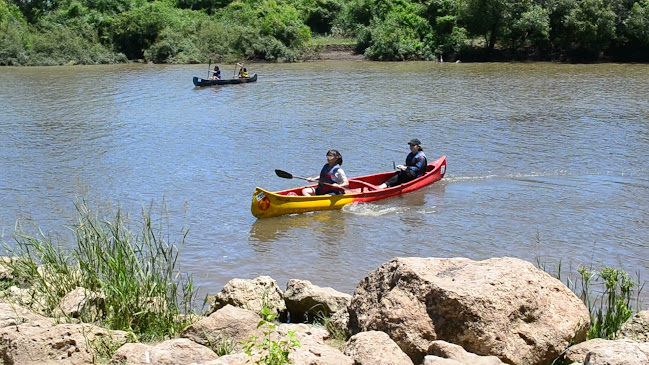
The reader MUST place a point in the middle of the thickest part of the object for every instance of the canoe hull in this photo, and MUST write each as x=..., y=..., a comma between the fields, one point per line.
x=205, y=82
x=266, y=204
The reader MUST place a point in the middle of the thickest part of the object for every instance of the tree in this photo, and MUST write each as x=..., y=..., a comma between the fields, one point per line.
x=591, y=25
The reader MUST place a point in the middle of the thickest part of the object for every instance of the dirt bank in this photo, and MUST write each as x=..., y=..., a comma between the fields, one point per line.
x=334, y=52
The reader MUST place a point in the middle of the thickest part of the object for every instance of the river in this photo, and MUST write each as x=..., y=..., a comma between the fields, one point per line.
x=545, y=161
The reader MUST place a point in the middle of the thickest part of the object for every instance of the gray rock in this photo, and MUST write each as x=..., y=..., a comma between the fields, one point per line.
x=306, y=301
x=375, y=348
x=250, y=294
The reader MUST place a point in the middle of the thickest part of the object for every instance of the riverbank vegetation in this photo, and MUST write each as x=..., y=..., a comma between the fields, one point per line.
x=610, y=295
x=59, y=32
x=135, y=273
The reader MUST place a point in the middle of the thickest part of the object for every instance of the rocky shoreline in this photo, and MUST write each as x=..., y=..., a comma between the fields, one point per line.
x=410, y=311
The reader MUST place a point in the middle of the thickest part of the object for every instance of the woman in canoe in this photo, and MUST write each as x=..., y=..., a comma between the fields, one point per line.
x=332, y=180
x=216, y=73
x=415, y=166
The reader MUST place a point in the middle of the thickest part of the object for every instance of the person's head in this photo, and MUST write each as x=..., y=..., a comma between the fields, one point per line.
x=335, y=157
x=216, y=68
x=244, y=70
x=415, y=145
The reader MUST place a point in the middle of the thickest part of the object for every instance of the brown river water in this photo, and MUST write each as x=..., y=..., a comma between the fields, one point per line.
x=545, y=161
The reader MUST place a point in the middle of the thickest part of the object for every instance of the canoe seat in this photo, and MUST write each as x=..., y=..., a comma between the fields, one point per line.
x=362, y=186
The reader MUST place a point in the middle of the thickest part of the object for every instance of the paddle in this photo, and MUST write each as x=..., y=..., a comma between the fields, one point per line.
x=286, y=175
x=208, y=68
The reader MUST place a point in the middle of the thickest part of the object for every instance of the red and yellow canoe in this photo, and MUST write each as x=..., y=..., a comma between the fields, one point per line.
x=266, y=204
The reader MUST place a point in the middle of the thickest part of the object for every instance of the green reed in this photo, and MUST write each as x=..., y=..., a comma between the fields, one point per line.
x=136, y=273
x=609, y=295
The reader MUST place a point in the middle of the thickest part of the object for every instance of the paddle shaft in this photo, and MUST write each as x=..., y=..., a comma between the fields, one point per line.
x=324, y=183
x=287, y=175
x=208, y=68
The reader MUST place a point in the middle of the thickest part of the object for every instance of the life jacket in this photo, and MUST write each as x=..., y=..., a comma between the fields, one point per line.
x=327, y=176
x=412, y=160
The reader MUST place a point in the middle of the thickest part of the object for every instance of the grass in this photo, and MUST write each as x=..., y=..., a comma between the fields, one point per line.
x=136, y=273
x=609, y=294
x=320, y=41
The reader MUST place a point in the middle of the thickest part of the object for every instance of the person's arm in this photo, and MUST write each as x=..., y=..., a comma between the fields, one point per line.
x=419, y=164
x=343, y=183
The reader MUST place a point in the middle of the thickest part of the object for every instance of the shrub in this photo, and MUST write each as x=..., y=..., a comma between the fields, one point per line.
x=135, y=273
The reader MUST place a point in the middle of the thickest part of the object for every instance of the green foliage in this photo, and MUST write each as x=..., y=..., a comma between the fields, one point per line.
x=268, y=350
x=187, y=31
x=608, y=294
x=592, y=27
x=614, y=305
x=135, y=273
x=319, y=15
x=636, y=26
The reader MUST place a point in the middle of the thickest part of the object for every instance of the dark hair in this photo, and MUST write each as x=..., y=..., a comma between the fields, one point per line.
x=335, y=153
x=244, y=69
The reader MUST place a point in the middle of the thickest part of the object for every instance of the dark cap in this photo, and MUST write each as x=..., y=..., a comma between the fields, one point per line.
x=414, y=141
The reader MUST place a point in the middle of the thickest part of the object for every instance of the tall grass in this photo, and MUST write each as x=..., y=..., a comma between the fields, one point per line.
x=136, y=273
x=610, y=295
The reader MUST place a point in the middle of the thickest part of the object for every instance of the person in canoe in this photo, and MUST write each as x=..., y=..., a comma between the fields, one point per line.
x=332, y=180
x=243, y=72
x=415, y=166
x=216, y=74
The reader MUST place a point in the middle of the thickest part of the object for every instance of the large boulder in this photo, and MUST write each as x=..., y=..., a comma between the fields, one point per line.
x=176, y=351
x=375, y=348
x=503, y=307
x=636, y=328
x=608, y=352
x=251, y=294
x=305, y=301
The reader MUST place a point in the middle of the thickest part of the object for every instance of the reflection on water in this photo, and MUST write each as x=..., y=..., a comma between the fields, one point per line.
x=533, y=150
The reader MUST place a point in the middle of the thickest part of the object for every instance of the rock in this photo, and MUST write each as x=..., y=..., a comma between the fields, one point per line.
x=233, y=359
x=63, y=344
x=305, y=301
x=251, y=294
x=231, y=324
x=375, y=348
x=609, y=352
x=312, y=349
x=636, y=328
x=503, y=307
x=177, y=351
x=339, y=323
x=14, y=315
x=451, y=351
x=81, y=301
x=436, y=360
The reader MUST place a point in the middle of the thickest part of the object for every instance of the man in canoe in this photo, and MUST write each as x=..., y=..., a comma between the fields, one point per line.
x=415, y=166
x=332, y=180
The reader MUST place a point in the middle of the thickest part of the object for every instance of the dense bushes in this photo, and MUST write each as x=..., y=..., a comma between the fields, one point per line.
x=184, y=31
